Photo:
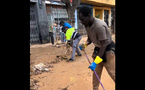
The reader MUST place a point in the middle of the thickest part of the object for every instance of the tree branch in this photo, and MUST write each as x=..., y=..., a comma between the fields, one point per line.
x=71, y=9
x=75, y=3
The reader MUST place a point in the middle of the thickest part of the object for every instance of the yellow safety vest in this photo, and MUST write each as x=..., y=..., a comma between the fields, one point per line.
x=69, y=33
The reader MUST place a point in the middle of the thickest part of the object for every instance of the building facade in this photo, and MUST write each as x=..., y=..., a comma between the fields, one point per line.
x=104, y=10
x=44, y=13
x=56, y=12
x=38, y=23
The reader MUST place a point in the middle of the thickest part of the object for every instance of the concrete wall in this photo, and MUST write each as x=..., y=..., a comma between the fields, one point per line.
x=42, y=21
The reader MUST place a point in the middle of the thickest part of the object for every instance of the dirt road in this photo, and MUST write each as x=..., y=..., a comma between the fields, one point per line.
x=76, y=73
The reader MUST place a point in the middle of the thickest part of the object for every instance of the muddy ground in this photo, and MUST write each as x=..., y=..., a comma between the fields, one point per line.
x=61, y=74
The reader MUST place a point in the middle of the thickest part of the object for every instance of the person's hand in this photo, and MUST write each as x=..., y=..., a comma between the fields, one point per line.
x=68, y=42
x=83, y=46
x=93, y=66
x=95, y=63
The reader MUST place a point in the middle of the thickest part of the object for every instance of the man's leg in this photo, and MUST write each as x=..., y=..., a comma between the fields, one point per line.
x=73, y=52
x=52, y=38
x=110, y=64
x=49, y=36
x=99, y=72
x=61, y=37
x=77, y=49
x=74, y=46
x=64, y=37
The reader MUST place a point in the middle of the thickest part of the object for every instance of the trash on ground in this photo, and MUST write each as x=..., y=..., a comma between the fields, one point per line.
x=33, y=84
x=66, y=88
x=39, y=68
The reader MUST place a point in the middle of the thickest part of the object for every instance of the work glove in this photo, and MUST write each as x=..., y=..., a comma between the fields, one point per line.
x=95, y=63
x=93, y=66
x=68, y=42
x=83, y=46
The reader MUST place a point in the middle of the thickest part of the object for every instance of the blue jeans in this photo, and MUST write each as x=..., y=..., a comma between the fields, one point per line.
x=75, y=47
x=62, y=37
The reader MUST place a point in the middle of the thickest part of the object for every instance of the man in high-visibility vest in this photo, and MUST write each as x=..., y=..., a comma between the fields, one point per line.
x=73, y=38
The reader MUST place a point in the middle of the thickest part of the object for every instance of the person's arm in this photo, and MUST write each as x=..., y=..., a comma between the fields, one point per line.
x=88, y=41
x=85, y=44
x=102, y=37
x=51, y=26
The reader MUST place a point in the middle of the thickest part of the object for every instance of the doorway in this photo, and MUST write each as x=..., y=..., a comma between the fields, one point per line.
x=106, y=16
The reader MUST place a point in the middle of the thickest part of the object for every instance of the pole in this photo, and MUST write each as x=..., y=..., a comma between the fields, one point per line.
x=94, y=71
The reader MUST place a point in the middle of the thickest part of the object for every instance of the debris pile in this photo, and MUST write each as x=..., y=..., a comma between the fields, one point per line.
x=39, y=68
x=33, y=84
x=58, y=45
x=66, y=88
x=59, y=58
